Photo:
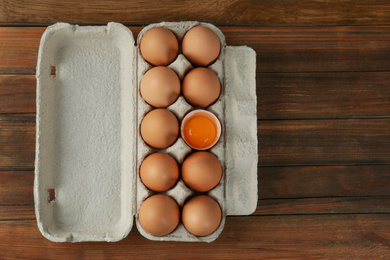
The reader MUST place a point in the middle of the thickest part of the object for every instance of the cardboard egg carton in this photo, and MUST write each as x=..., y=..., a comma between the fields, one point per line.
x=88, y=146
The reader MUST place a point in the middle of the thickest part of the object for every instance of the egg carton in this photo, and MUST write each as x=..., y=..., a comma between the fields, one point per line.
x=88, y=145
x=179, y=150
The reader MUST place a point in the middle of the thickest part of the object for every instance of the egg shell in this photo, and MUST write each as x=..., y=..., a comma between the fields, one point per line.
x=159, y=128
x=201, y=215
x=201, y=171
x=201, y=87
x=159, y=172
x=160, y=86
x=159, y=46
x=159, y=215
x=201, y=46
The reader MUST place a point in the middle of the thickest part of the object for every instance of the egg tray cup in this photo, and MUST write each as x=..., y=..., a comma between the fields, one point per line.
x=89, y=149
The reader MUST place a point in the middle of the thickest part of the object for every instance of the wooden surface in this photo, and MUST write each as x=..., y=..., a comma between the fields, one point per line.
x=323, y=89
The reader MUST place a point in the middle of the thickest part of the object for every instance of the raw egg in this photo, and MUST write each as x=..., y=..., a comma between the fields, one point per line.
x=201, y=87
x=159, y=46
x=160, y=86
x=201, y=215
x=160, y=128
x=200, y=129
x=201, y=171
x=159, y=215
x=159, y=172
x=201, y=46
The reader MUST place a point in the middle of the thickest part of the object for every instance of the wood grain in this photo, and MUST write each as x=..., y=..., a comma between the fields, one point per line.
x=250, y=237
x=323, y=181
x=271, y=207
x=323, y=76
x=281, y=143
x=323, y=95
x=19, y=49
x=324, y=142
x=302, y=49
x=238, y=12
x=282, y=190
x=16, y=188
x=17, y=94
x=280, y=95
x=17, y=212
x=331, y=205
x=17, y=142
x=325, y=49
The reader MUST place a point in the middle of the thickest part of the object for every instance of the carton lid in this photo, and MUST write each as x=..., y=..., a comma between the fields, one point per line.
x=85, y=118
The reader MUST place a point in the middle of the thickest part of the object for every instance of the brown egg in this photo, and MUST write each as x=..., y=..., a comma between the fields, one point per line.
x=201, y=215
x=159, y=172
x=201, y=87
x=201, y=171
x=159, y=46
x=159, y=128
x=160, y=86
x=201, y=46
x=159, y=215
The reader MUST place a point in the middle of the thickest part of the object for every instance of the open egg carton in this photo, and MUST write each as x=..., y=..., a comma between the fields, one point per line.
x=89, y=149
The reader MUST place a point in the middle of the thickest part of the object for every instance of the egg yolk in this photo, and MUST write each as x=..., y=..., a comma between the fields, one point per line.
x=200, y=132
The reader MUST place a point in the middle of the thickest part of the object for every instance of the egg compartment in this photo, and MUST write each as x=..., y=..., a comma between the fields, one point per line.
x=179, y=150
x=94, y=106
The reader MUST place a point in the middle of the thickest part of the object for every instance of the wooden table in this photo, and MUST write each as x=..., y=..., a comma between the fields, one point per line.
x=323, y=89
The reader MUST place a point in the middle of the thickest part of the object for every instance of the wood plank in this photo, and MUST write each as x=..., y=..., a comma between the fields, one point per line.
x=324, y=142
x=17, y=212
x=323, y=181
x=241, y=12
x=314, y=49
x=17, y=94
x=19, y=49
x=280, y=95
x=303, y=49
x=332, y=205
x=323, y=95
x=271, y=207
x=282, y=190
x=250, y=237
x=16, y=187
x=281, y=143
x=17, y=142
x=273, y=182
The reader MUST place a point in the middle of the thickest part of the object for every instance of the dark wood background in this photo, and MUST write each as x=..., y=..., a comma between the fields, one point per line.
x=323, y=89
